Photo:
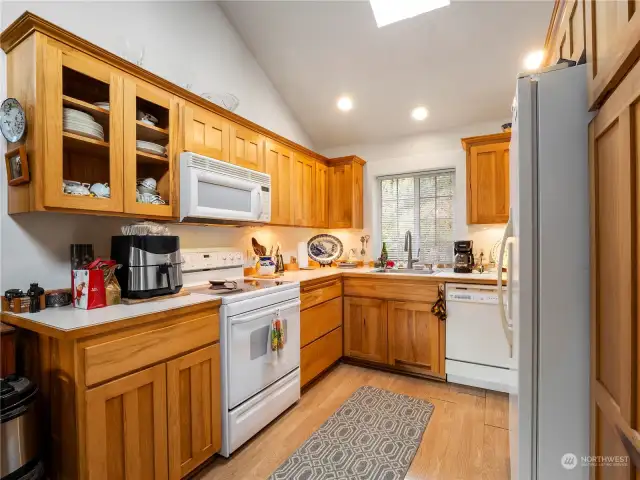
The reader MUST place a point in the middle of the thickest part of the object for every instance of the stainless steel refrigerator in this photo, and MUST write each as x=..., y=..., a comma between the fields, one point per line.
x=546, y=315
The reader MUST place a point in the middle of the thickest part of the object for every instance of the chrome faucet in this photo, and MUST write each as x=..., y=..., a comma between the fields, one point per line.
x=407, y=248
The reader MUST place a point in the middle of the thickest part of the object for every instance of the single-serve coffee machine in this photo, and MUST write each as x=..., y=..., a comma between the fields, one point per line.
x=151, y=264
x=463, y=256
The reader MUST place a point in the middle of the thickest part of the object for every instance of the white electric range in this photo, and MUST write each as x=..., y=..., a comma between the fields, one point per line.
x=257, y=384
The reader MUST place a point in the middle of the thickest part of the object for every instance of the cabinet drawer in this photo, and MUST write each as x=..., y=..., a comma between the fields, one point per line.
x=319, y=293
x=397, y=289
x=320, y=355
x=319, y=320
x=116, y=357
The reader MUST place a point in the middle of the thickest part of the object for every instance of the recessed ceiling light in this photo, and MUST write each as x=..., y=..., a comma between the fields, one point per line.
x=391, y=11
x=345, y=104
x=533, y=60
x=419, y=113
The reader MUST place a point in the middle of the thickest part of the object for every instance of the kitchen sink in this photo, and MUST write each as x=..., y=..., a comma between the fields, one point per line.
x=405, y=271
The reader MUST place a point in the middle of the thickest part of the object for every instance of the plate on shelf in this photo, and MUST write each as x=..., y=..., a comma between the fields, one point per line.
x=150, y=147
x=102, y=105
x=83, y=130
x=324, y=248
x=93, y=127
x=88, y=125
x=72, y=113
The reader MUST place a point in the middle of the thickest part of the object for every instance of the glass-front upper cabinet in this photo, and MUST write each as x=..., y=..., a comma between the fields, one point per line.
x=151, y=153
x=82, y=118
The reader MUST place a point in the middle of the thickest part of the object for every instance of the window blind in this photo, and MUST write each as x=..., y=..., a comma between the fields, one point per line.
x=423, y=203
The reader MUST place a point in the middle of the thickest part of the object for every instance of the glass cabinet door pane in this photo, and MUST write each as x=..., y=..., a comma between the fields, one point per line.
x=83, y=165
x=149, y=118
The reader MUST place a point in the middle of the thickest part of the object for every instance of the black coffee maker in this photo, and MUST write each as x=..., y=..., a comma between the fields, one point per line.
x=463, y=256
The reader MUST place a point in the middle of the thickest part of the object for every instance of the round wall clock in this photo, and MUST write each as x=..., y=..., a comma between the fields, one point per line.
x=13, y=122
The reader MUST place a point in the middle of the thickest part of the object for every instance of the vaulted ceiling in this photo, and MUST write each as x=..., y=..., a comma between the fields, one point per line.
x=459, y=61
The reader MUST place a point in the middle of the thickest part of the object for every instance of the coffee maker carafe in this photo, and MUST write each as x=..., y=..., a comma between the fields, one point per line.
x=463, y=256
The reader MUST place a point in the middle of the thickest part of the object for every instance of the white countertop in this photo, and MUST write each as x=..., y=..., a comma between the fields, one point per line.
x=67, y=319
x=306, y=275
x=448, y=274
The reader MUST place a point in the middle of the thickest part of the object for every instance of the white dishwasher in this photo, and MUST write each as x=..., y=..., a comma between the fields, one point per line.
x=477, y=350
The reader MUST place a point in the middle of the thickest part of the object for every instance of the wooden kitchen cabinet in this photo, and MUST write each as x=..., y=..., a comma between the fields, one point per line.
x=134, y=398
x=346, y=192
x=416, y=338
x=206, y=133
x=279, y=164
x=320, y=326
x=614, y=140
x=318, y=356
x=320, y=320
x=487, y=178
x=566, y=35
x=304, y=173
x=612, y=37
x=75, y=81
x=321, y=196
x=365, y=329
x=49, y=68
x=126, y=427
x=246, y=148
x=193, y=391
x=140, y=96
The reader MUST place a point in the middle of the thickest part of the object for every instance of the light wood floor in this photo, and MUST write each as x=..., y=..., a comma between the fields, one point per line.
x=467, y=437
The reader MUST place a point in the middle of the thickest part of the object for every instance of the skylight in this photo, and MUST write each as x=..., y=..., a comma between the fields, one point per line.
x=391, y=11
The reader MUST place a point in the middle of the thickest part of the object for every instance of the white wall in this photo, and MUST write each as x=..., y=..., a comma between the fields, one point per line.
x=418, y=153
x=185, y=42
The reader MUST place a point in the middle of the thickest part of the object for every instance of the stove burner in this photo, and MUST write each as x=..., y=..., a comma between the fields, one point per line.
x=239, y=285
x=225, y=291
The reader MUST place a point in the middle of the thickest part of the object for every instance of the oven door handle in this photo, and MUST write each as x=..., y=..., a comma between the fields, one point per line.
x=271, y=311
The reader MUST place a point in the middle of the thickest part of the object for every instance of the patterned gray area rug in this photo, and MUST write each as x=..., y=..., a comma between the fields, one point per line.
x=374, y=435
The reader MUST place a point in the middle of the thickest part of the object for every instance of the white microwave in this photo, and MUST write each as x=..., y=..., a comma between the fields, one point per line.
x=213, y=191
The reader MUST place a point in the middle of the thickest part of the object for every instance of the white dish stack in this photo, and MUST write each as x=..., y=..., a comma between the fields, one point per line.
x=150, y=147
x=81, y=123
x=102, y=105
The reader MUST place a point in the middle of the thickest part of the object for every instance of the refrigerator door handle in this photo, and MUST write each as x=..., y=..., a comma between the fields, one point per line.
x=508, y=333
x=510, y=287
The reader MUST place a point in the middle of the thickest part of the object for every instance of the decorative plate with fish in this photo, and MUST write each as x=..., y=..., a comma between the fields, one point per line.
x=324, y=248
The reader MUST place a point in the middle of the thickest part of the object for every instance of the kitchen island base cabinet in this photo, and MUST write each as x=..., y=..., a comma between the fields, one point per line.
x=193, y=391
x=365, y=329
x=416, y=338
x=126, y=427
x=131, y=399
